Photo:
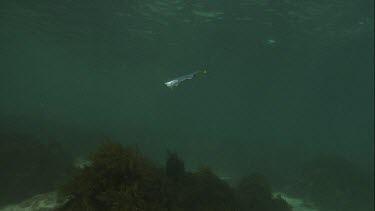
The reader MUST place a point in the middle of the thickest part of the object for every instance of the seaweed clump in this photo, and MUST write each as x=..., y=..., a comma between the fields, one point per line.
x=198, y=191
x=175, y=167
x=256, y=195
x=120, y=178
x=203, y=190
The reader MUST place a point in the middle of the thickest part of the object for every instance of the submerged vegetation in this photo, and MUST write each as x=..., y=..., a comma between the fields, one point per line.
x=118, y=179
x=255, y=193
x=121, y=178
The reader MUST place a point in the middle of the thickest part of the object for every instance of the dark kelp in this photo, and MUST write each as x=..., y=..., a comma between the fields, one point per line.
x=256, y=194
x=120, y=178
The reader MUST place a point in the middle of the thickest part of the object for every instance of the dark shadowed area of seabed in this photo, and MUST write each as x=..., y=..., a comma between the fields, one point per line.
x=80, y=71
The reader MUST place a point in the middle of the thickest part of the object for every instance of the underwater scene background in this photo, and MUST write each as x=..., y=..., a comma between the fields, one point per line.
x=286, y=105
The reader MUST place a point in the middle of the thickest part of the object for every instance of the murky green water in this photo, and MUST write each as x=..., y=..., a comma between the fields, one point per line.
x=287, y=80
